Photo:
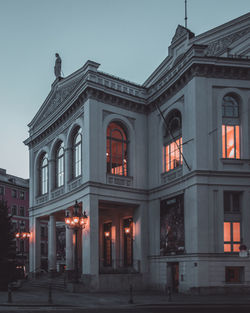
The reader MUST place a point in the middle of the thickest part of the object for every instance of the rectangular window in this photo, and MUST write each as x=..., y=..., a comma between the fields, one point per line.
x=22, y=211
x=234, y=274
x=232, y=236
x=14, y=210
x=22, y=195
x=230, y=141
x=231, y=201
x=1, y=190
x=172, y=155
x=13, y=193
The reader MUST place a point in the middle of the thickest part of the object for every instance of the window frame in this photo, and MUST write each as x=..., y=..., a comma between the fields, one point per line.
x=124, y=149
x=77, y=153
x=44, y=174
x=60, y=165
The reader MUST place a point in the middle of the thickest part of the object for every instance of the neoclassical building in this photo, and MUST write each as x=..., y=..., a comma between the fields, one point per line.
x=161, y=169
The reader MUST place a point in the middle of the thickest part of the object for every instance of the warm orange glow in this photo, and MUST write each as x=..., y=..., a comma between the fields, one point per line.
x=76, y=219
x=236, y=247
x=172, y=155
x=106, y=234
x=230, y=142
x=227, y=231
x=17, y=235
x=236, y=232
x=28, y=235
x=127, y=230
x=24, y=235
x=227, y=247
x=67, y=220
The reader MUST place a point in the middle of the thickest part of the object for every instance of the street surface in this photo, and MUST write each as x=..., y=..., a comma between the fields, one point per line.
x=134, y=309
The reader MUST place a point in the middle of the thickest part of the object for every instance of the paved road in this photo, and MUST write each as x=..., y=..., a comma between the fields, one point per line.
x=134, y=309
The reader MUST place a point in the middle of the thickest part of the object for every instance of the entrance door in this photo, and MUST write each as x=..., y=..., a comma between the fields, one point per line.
x=173, y=276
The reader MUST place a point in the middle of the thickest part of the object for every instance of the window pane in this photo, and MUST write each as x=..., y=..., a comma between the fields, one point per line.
x=236, y=232
x=230, y=142
x=227, y=231
x=227, y=247
x=236, y=202
x=236, y=247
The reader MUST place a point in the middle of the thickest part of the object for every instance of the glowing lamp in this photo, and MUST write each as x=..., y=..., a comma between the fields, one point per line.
x=107, y=234
x=17, y=235
x=76, y=219
x=127, y=230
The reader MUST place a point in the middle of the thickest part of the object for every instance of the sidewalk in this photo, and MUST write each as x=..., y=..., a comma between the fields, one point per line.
x=28, y=296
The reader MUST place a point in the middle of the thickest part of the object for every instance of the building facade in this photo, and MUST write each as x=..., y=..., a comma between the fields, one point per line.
x=15, y=191
x=161, y=169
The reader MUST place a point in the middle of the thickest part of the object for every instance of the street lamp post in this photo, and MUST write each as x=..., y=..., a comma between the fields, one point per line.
x=76, y=221
x=22, y=235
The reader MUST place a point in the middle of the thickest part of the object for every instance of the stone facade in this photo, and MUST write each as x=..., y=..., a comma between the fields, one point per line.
x=155, y=174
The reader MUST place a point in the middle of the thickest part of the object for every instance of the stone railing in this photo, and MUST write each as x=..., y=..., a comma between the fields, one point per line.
x=58, y=192
x=125, y=181
x=74, y=184
x=171, y=175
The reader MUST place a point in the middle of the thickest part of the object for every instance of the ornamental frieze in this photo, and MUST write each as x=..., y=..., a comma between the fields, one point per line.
x=219, y=46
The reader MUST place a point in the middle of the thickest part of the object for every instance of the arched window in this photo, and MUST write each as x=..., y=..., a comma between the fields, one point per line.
x=44, y=173
x=60, y=165
x=230, y=128
x=77, y=153
x=172, y=143
x=117, y=150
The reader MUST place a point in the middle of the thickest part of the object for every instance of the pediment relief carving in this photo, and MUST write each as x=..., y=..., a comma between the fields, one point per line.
x=59, y=96
x=217, y=47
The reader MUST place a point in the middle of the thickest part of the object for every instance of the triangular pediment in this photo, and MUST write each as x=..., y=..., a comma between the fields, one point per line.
x=56, y=99
x=180, y=32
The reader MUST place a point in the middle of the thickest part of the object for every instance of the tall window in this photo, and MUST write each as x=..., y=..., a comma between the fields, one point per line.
x=44, y=174
x=117, y=150
x=77, y=153
x=230, y=128
x=60, y=165
x=172, y=149
x=128, y=241
x=232, y=218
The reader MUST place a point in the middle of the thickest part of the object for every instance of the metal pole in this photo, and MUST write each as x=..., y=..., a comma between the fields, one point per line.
x=186, y=13
x=76, y=261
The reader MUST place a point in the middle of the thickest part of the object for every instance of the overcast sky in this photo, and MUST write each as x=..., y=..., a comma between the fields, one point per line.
x=129, y=38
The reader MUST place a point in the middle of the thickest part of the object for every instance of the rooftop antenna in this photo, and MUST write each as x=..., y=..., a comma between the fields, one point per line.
x=185, y=14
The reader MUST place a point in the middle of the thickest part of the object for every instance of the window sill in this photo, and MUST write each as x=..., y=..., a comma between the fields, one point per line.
x=74, y=183
x=42, y=198
x=233, y=161
x=57, y=192
x=126, y=181
x=171, y=175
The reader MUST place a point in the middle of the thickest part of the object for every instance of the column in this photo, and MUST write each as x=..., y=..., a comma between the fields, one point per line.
x=69, y=249
x=52, y=243
x=34, y=246
x=140, y=235
x=68, y=166
x=52, y=176
x=90, y=238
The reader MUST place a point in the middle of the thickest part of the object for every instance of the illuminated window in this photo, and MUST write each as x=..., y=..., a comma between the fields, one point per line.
x=107, y=251
x=232, y=238
x=230, y=128
x=44, y=174
x=172, y=148
x=77, y=154
x=128, y=241
x=60, y=165
x=117, y=150
x=231, y=141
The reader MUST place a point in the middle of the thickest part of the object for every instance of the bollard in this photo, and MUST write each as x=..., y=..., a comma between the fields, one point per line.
x=50, y=294
x=169, y=293
x=9, y=293
x=131, y=294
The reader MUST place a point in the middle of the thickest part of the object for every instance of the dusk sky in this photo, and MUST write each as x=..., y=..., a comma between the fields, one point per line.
x=129, y=38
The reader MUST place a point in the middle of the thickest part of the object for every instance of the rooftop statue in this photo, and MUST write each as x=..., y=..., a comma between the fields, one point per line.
x=57, y=67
